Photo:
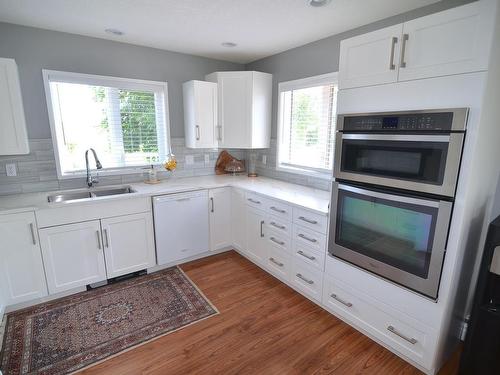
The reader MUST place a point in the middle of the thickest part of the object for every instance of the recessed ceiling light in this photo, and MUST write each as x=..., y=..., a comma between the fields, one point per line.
x=229, y=44
x=114, y=32
x=318, y=3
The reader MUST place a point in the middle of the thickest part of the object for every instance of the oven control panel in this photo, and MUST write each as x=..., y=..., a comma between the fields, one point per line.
x=394, y=122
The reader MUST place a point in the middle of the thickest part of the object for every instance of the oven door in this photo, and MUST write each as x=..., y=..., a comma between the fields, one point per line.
x=424, y=163
x=399, y=237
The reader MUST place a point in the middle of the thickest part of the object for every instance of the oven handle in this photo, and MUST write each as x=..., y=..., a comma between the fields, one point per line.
x=390, y=197
x=398, y=137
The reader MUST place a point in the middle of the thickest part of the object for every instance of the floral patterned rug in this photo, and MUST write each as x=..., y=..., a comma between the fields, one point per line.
x=73, y=332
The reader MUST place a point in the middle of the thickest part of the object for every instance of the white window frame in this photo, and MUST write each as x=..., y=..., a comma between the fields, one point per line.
x=107, y=81
x=302, y=83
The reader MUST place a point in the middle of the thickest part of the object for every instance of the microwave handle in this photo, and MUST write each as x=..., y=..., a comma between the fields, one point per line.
x=398, y=137
x=390, y=197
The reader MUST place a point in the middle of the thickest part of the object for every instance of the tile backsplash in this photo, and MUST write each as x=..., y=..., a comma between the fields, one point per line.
x=37, y=170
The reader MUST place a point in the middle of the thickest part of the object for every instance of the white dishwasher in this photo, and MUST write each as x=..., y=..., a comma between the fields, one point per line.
x=181, y=225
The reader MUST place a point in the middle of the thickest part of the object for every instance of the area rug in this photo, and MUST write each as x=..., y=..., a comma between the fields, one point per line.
x=73, y=332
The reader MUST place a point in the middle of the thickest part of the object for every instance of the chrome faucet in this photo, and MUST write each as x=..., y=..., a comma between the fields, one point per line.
x=92, y=180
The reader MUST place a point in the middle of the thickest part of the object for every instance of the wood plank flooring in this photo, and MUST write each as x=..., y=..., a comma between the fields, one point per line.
x=264, y=327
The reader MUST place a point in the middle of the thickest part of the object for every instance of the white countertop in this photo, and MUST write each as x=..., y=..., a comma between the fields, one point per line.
x=314, y=199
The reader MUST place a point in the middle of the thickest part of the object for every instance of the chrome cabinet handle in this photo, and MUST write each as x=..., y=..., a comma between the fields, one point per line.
x=313, y=240
x=106, y=237
x=402, y=63
x=310, y=257
x=277, y=225
x=276, y=241
x=278, y=210
x=197, y=132
x=411, y=340
x=253, y=201
x=219, y=132
x=299, y=275
x=308, y=220
x=33, y=234
x=394, y=41
x=334, y=296
x=99, y=246
x=261, y=230
x=276, y=262
x=212, y=200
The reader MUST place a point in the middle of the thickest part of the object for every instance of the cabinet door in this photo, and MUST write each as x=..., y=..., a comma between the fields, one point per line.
x=238, y=219
x=72, y=255
x=451, y=42
x=200, y=114
x=22, y=276
x=235, y=108
x=255, y=224
x=220, y=218
x=128, y=243
x=13, y=136
x=370, y=59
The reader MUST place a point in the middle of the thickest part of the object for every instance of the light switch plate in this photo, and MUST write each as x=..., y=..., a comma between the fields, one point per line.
x=207, y=159
x=264, y=159
x=189, y=159
x=11, y=170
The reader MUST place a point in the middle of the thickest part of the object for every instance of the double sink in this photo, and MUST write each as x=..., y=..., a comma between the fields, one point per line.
x=73, y=195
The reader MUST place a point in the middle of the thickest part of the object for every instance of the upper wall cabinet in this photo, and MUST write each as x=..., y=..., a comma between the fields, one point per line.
x=13, y=135
x=244, y=108
x=454, y=41
x=200, y=114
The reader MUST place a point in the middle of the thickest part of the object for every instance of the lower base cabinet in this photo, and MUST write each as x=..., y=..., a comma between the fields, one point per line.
x=256, y=247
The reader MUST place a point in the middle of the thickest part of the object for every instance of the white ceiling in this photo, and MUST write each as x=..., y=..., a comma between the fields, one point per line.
x=259, y=27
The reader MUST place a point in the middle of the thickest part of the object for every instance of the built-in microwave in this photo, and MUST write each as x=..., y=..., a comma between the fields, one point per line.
x=418, y=151
x=401, y=237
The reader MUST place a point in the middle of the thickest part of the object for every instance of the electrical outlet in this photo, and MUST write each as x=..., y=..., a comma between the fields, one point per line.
x=11, y=170
x=189, y=159
x=207, y=159
x=264, y=159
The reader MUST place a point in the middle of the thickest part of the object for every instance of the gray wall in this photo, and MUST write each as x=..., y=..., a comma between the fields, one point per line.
x=322, y=56
x=37, y=49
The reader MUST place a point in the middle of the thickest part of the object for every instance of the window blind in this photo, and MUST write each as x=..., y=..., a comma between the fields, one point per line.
x=307, y=126
x=125, y=126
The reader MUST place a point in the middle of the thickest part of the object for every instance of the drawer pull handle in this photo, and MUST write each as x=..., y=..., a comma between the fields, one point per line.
x=310, y=221
x=310, y=257
x=253, y=201
x=277, y=225
x=411, y=340
x=279, y=264
x=278, y=210
x=334, y=296
x=313, y=240
x=299, y=275
x=276, y=241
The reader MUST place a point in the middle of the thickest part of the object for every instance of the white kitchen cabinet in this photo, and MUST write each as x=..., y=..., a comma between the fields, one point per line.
x=450, y=42
x=256, y=245
x=13, y=135
x=453, y=41
x=220, y=218
x=200, y=114
x=73, y=255
x=128, y=243
x=238, y=219
x=244, y=108
x=370, y=59
x=22, y=276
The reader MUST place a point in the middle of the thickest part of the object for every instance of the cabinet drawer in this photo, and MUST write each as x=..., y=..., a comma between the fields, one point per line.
x=307, y=279
x=278, y=209
x=311, y=220
x=255, y=200
x=278, y=263
x=277, y=224
x=309, y=255
x=309, y=238
x=278, y=240
x=404, y=334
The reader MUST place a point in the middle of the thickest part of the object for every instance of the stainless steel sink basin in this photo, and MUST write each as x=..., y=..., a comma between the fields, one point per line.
x=76, y=195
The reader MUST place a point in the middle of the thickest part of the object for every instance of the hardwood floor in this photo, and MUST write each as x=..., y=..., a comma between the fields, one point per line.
x=264, y=327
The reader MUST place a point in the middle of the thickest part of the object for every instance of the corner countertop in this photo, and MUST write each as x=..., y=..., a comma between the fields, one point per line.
x=306, y=197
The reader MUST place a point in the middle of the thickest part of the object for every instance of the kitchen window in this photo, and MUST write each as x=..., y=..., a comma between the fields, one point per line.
x=306, y=125
x=124, y=120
